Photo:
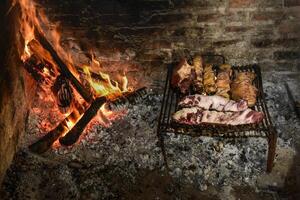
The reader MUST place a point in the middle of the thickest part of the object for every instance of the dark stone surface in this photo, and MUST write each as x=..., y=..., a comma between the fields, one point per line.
x=286, y=55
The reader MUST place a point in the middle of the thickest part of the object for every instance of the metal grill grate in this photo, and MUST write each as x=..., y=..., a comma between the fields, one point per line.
x=169, y=106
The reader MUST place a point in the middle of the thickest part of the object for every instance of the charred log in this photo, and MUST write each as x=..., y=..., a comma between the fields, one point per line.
x=63, y=92
x=130, y=98
x=88, y=97
x=44, y=143
x=32, y=65
x=73, y=135
x=35, y=67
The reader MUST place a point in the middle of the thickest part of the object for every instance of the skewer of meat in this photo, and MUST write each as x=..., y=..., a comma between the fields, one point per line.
x=183, y=76
x=242, y=88
x=198, y=81
x=213, y=102
x=223, y=81
x=209, y=81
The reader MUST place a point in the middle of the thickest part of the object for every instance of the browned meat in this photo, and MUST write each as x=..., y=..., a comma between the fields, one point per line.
x=242, y=88
x=197, y=116
x=213, y=102
x=209, y=79
x=183, y=76
x=198, y=81
x=223, y=81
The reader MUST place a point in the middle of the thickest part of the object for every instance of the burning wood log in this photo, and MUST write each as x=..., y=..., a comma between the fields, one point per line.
x=35, y=67
x=127, y=99
x=88, y=97
x=73, y=135
x=130, y=98
x=43, y=144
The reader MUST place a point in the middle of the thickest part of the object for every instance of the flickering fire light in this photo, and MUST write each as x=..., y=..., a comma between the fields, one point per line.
x=32, y=21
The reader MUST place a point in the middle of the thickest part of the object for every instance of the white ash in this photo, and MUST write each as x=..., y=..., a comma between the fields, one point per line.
x=131, y=144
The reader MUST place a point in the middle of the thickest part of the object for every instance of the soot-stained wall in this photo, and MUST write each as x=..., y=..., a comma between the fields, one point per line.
x=155, y=32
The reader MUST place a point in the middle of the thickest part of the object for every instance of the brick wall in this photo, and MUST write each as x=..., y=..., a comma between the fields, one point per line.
x=154, y=32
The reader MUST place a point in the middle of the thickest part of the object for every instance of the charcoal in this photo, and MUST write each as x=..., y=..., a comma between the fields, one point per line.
x=63, y=92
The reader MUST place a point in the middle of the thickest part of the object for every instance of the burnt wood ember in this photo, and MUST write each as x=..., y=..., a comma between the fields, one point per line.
x=73, y=135
x=130, y=98
x=88, y=97
x=32, y=65
x=35, y=66
x=127, y=99
x=43, y=144
x=63, y=92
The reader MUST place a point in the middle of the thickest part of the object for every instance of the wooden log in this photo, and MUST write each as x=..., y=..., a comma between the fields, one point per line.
x=32, y=66
x=43, y=144
x=128, y=98
x=87, y=96
x=73, y=135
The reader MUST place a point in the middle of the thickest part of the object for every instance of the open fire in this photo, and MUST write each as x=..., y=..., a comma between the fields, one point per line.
x=81, y=92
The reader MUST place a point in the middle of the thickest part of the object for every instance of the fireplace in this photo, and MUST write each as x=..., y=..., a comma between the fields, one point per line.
x=83, y=89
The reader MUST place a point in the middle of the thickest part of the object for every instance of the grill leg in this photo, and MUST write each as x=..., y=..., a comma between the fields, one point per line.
x=162, y=146
x=272, y=141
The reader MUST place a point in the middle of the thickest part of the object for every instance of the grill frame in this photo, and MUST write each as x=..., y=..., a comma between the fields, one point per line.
x=264, y=129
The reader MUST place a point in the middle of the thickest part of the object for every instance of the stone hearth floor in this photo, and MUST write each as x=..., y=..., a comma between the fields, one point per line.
x=124, y=161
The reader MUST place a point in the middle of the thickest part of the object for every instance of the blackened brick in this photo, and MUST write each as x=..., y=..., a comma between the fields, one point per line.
x=287, y=42
x=208, y=17
x=169, y=18
x=287, y=55
x=159, y=44
x=136, y=31
x=224, y=43
x=261, y=43
x=290, y=3
x=237, y=28
x=188, y=32
x=200, y=4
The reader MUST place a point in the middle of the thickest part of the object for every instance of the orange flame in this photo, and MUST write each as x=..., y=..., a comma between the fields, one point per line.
x=32, y=17
x=106, y=86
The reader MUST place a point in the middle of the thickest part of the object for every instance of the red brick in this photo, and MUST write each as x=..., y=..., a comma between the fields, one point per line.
x=241, y=3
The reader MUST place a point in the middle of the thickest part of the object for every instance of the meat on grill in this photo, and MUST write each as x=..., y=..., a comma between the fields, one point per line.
x=183, y=76
x=243, y=88
x=198, y=81
x=213, y=102
x=197, y=116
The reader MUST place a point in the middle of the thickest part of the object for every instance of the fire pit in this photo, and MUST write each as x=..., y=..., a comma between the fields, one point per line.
x=86, y=112
x=45, y=64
